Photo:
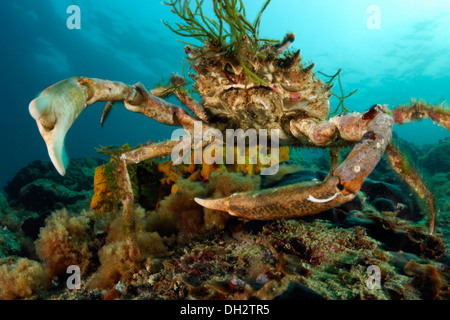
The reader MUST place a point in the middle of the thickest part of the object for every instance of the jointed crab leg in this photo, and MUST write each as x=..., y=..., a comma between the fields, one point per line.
x=418, y=110
x=377, y=133
x=176, y=87
x=334, y=160
x=186, y=99
x=320, y=133
x=125, y=195
x=58, y=106
x=403, y=168
x=342, y=186
x=125, y=191
x=161, y=110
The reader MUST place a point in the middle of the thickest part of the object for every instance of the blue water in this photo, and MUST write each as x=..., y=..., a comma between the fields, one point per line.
x=407, y=56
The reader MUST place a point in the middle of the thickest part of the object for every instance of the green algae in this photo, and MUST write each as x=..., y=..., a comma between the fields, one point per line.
x=228, y=33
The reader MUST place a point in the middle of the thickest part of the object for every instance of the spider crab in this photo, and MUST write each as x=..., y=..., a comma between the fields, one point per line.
x=244, y=82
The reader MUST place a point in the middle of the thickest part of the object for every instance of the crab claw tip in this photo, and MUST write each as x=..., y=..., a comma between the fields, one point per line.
x=222, y=204
x=59, y=158
x=40, y=110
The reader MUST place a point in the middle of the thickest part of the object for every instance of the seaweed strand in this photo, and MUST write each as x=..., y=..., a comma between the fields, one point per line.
x=341, y=97
x=226, y=34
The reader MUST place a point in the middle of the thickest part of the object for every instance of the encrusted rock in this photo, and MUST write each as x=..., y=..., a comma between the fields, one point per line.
x=9, y=244
x=79, y=176
x=437, y=159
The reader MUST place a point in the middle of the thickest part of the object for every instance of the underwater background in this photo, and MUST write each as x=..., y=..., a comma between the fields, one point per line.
x=126, y=41
x=390, y=52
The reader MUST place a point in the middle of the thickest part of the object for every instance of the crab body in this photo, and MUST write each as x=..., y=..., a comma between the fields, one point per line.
x=289, y=92
x=245, y=84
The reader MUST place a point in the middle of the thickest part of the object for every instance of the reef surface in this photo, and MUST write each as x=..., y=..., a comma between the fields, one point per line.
x=49, y=223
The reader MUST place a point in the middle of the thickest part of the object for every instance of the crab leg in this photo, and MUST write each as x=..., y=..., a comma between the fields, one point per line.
x=125, y=191
x=163, y=112
x=176, y=87
x=403, y=168
x=334, y=160
x=320, y=133
x=418, y=110
x=58, y=106
x=374, y=130
x=186, y=99
x=126, y=196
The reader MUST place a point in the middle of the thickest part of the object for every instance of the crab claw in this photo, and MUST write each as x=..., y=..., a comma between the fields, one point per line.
x=310, y=197
x=222, y=204
x=58, y=106
x=54, y=110
x=279, y=203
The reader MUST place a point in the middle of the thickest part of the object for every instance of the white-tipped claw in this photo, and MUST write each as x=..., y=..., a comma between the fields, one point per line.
x=222, y=204
x=55, y=110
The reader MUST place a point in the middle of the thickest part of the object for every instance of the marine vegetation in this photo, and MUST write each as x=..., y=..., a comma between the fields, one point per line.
x=245, y=82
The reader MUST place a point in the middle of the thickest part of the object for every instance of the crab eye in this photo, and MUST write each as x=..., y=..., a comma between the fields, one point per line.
x=229, y=69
